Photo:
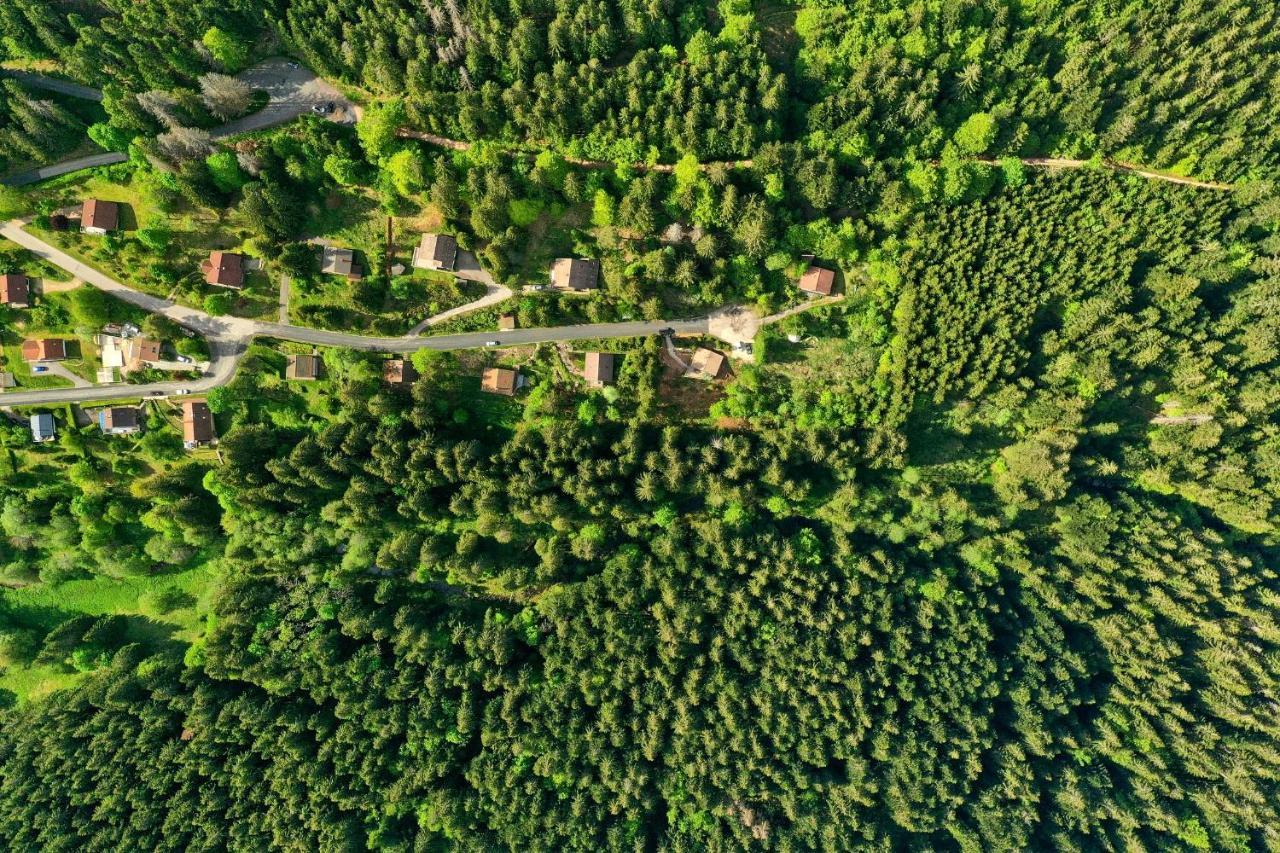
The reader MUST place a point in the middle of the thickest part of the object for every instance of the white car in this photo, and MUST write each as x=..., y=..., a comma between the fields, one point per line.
x=183, y=391
x=492, y=343
x=184, y=359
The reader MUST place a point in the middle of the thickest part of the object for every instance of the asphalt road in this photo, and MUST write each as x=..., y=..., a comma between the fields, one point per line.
x=229, y=337
x=292, y=92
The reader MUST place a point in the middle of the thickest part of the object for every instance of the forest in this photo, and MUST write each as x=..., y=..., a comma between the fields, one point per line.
x=981, y=556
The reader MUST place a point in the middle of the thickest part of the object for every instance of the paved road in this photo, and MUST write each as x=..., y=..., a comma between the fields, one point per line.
x=293, y=92
x=229, y=337
x=53, y=84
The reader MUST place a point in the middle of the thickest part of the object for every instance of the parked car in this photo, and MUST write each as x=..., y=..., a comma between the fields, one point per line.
x=492, y=343
x=317, y=108
x=185, y=359
x=183, y=391
x=39, y=368
x=294, y=65
x=155, y=393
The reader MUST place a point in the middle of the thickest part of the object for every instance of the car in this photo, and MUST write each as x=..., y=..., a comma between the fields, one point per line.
x=155, y=393
x=183, y=391
x=294, y=65
x=492, y=343
x=317, y=108
x=184, y=359
x=39, y=368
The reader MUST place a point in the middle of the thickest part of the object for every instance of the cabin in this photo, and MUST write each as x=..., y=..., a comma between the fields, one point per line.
x=303, y=367
x=706, y=364
x=817, y=282
x=436, y=252
x=335, y=261
x=15, y=290
x=224, y=269
x=99, y=217
x=501, y=380
x=599, y=369
x=575, y=274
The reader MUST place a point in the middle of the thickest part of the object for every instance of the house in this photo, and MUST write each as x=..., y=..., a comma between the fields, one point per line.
x=197, y=424
x=119, y=420
x=303, y=367
x=15, y=290
x=141, y=352
x=399, y=372
x=436, y=252
x=501, y=380
x=706, y=364
x=817, y=281
x=335, y=261
x=506, y=322
x=576, y=274
x=99, y=217
x=111, y=349
x=599, y=369
x=224, y=269
x=42, y=428
x=44, y=349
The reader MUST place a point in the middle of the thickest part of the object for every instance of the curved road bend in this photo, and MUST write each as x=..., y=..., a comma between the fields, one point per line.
x=229, y=337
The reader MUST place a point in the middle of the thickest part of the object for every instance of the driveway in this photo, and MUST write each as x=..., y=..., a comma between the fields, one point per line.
x=53, y=84
x=293, y=92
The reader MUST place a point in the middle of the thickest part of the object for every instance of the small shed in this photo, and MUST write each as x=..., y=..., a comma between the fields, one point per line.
x=818, y=281
x=501, y=380
x=706, y=364
x=42, y=428
x=303, y=367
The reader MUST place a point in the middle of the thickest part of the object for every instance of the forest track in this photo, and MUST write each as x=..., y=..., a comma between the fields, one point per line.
x=1115, y=166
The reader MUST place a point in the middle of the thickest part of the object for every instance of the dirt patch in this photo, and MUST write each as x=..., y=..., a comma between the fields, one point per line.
x=47, y=286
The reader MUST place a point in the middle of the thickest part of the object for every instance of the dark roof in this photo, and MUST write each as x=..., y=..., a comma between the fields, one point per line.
x=45, y=349
x=599, y=368
x=118, y=417
x=15, y=289
x=303, y=367
x=224, y=269
x=197, y=422
x=817, y=280
x=100, y=214
x=42, y=426
x=399, y=371
x=440, y=248
x=575, y=273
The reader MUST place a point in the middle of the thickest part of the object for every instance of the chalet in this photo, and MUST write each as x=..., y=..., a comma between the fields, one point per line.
x=44, y=349
x=706, y=364
x=303, y=367
x=42, y=428
x=15, y=290
x=575, y=274
x=119, y=420
x=335, y=261
x=224, y=269
x=399, y=372
x=506, y=322
x=99, y=217
x=197, y=424
x=501, y=380
x=436, y=252
x=817, y=281
x=599, y=369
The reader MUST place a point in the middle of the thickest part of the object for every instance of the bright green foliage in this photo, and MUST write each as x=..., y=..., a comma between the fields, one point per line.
x=227, y=50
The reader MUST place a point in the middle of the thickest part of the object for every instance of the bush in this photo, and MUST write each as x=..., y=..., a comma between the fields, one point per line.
x=165, y=600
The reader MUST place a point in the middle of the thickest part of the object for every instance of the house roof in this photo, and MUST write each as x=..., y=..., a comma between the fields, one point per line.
x=197, y=422
x=118, y=417
x=44, y=349
x=439, y=248
x=599, y=368
x=15, y=289
x=398, y=371
x=707, y=362
x=100, y=214
x=817, y=280
x=224, y=269
x=500, y=380
x=575, y=273
x=506, y=322
x=335, y=261
x=42, y=426
x=143, y=350
x=303, y=367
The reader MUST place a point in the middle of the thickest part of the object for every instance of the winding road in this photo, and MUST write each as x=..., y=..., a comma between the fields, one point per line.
x=229, y=337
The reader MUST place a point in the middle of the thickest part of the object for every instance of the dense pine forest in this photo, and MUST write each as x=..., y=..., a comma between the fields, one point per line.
x=983, y=556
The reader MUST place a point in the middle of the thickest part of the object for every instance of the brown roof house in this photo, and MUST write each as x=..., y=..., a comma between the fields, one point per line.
x=506, y=322
x=99, y=217
x=141, y=352
x=599, y=369
x=45, y=349
x=335, y=261
x=399, y=372
x=706, y=364
x=224, y=269
x=197, y=424
x=817, y=281
x=575, y=274
x=305, y=367
x=501, y=380
x=119, y=420
x=15, y=290
x=436, y=252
